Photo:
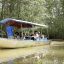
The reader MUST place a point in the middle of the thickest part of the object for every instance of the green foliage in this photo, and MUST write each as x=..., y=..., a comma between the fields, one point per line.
x=30, y=10
x=55, y=19
x=50, y=12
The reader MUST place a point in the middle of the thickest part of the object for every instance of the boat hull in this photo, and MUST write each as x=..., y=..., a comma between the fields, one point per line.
x=14, y=43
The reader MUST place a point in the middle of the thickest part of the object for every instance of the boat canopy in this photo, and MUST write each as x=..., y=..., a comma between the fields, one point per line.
x=20, y=23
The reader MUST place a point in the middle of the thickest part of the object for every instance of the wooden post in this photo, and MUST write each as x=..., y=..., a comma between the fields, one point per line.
x=32, y=30
x=41, y=30
x=47, y=33
x=1, y=30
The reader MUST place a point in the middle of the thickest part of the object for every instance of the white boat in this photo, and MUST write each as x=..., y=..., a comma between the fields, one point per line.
x=14, y=43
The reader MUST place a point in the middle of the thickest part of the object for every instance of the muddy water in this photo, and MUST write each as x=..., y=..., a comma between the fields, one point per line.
x=55, y=55
x=22, y=55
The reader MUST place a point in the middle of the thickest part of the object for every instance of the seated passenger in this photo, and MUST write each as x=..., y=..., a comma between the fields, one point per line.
x=44, y=38
x=36, y=36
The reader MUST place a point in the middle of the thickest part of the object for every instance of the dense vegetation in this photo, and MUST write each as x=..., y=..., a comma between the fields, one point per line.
x=50, y=12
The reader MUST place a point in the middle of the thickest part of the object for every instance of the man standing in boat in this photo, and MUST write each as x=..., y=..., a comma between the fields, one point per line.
x=10, y=31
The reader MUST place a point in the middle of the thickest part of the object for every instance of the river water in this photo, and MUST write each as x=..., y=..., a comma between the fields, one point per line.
x=55, y=55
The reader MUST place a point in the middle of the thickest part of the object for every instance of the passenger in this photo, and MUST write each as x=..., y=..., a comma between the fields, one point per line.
x=17, y=35
x=36, y=36
x=10, y=31
x=44, y=38
x=33, y=37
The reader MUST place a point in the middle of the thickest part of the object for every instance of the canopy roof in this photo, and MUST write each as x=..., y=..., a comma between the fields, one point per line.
x=18, y=23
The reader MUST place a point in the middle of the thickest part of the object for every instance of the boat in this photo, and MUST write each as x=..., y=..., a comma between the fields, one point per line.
x=14, y=43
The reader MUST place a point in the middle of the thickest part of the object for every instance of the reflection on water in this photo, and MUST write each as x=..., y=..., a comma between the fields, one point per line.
x=55, y=56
